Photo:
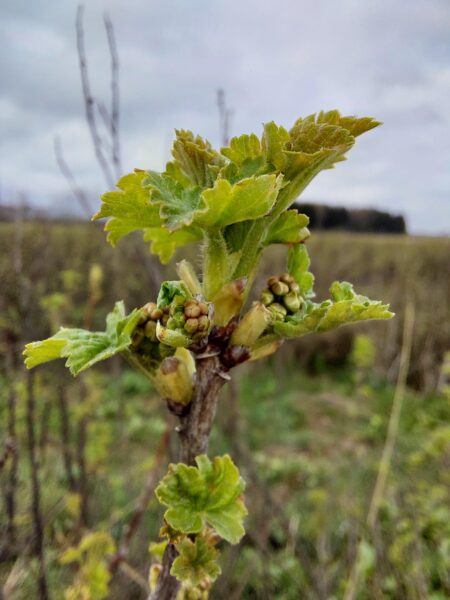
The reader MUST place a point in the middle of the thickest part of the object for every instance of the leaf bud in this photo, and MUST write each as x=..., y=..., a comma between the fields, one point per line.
x=251, y=326
x=292, y=301
x=279, y=288
x=191, y=325
x=267, y=297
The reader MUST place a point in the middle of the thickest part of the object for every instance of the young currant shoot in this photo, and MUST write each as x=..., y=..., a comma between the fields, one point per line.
x=233, y=203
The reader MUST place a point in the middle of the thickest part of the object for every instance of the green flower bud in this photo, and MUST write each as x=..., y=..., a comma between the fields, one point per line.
x=203, y=323
x=267, y=297
x=292, y=301
x=150, y=330
x=191, y=325
x=272, y=280
x=156, y=314
x=286, y=278
x=138, y=336
x=278, y=311
x=279, y=288
x=204, y=310
x=294, y=287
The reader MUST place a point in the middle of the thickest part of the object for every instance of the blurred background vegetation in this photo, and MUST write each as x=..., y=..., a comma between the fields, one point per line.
x=307, y=428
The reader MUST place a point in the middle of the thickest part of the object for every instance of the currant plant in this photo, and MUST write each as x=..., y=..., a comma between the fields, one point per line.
x=233, y=203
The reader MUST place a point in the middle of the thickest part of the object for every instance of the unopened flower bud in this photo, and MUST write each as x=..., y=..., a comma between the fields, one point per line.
x=156, y=314
x=203, y=308
x=164, y=319
x=278, y=311
x=272, y=281
x=203, y=323
x=150, y=330
x=292, y=301
x=191, y=325
x=267, y=297
x=279, y=288
x=149, y=307
x=286, y=278
x=294, y=287
x=138, y=336
x=192, y=310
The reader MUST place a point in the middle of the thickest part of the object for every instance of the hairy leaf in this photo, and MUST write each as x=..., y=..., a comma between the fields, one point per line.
x=177, y=203
x=196, y=561
x=298, y=265
x=248, y=199
x=129, y=209
x=85, y=348
x=274, y=143
x=289, y=228
x=242, y=148
x=345, y=307
x=196, y=158
x=209, y=493
x=164, y=243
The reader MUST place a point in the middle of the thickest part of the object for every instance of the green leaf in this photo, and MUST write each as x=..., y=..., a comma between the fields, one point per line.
x=196, y=561
x=345, y=307
x=129, y=209
x=243, y=148
x=196, y=158
x=250, y=198
x=164, y=243
x=169, y=290
x=177, y=203
x=274, y=143
x=289, y=228
x=85, y=348
x=209, y=493
x=354, y=125
x=298, y=265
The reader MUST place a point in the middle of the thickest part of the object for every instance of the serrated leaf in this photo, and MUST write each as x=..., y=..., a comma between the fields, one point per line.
x=274, y=143
x=170, y=289
x=196, y=158
x=85, y=348
x=354, y=125
x=129, y=209
x=164, y=243
x=209, y=493
x=177, y=203
x=250, y=198
x=242, y=148
x=298, y=267
x=289, y=228
x=345, y=307
x=196, y=561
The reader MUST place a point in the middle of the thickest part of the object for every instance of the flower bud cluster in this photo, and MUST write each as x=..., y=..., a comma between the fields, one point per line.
x=282, y=296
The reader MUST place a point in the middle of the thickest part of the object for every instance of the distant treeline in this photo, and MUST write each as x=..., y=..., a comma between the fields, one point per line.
x=321, y=217
x=364, y=220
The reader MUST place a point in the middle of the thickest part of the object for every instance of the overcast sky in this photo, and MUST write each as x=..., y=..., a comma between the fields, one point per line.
x=389, y=59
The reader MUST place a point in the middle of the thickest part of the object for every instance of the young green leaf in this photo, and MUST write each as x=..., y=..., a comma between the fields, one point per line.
x=289, y=228
x=129, y=209
x=196, y=561
x=196, y=159
x=298, y=265
x=85, y=348
x=209, y=493
x=250, y=198
x=345, y=307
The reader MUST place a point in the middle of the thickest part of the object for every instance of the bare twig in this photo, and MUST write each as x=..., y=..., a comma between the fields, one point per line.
x=89, y=101
x=115, y=95
x=225, y=115
x=76, y=190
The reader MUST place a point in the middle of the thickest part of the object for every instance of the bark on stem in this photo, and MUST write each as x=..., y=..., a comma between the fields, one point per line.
x=195, y=429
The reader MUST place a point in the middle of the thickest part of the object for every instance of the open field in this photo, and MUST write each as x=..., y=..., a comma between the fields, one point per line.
x=308, y=441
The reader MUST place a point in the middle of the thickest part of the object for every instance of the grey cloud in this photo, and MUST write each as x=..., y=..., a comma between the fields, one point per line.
x=277, y=60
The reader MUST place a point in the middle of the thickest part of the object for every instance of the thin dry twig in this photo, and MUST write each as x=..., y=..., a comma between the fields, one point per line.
x=115, y=95
x=76, y=190
x=89, y=102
